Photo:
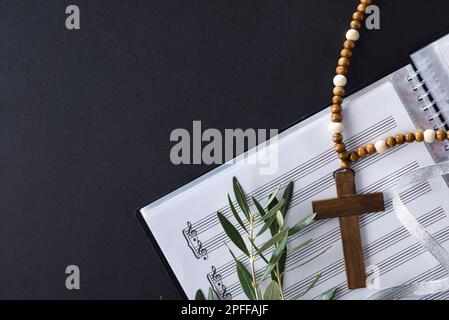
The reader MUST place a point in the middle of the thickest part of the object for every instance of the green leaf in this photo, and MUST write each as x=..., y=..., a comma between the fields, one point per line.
x=266, y=226
x=278, y=237
x=200, y=295
x=271, y=197
x=257, y=249
x=302, y=245
x=240, y=197
x=259, y=208
x=236, y=215
x=311, y=259
x=328, y=295
x=272, y=292
x=277, y=254
x=310, y=287
x=273, y=211
x=287, y=197
x=244, y=278
x=301, y=224
x=280, y=219
x=232, y=233
x=210, y=296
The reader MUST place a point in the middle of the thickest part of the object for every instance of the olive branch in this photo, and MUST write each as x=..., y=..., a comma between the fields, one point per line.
x=271, y=216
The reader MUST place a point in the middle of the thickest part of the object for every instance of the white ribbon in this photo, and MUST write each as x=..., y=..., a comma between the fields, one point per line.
x=424, y=238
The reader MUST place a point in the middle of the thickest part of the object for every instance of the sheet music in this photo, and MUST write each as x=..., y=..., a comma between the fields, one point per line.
x=188, y=232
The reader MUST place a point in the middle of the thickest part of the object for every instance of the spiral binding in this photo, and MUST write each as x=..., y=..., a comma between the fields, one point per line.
x=429, y=105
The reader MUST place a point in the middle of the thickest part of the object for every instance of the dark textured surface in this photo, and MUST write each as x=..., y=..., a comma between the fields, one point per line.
x=85, y=116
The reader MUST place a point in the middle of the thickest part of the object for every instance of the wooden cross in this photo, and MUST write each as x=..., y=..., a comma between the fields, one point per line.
x=347, y=207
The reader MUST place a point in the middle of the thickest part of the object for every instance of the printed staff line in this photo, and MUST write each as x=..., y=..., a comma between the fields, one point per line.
x=371, y=250
x=327, y=273
x=313, y=189
x=217, y=241
x=384, y=126
x=394, y=237
x=386, y=242
x=408, y=254
x=313, y=164
x=433, y=273
x=333, y=236
x=395, y=176
x=424, y=220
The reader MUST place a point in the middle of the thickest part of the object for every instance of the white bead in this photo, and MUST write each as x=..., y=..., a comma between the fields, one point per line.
x=352, y=35
x=429, y=136
x=337, y=127
x=381, y=146
x=340, y=80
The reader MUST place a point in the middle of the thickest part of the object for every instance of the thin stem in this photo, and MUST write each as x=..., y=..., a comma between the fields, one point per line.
x=279, y=279
x=252, y=257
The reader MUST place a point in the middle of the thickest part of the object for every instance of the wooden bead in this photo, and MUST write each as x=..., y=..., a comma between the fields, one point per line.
x=362, y=152
x=391, y=142
x=357, y=16
x=336, y=118
x=340, y=80
x=429, y=136
x=352, y=35
x=441, y=135
x=410, y=137
x=361, y=8
x=349, y=44
x=336, y=109
x=400, y=139
x=342, y=70
x=346, y=53
x=337, y=127
x=354, y=156
x=337, y=100
x=419, y=136
x=340, y=147
x=447, y=135
x=339, y=91
x=367, y=2
x=371, y=149
x=337, y=138
x=346, y=165
x=355, y=24
x=344, y=62
x=381, y=146
x=343, y=156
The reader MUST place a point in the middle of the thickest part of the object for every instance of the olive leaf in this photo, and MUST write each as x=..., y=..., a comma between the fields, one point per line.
x=301, y=224
x=278, y=237
x=245, y=278
x=210, y=295
x=236, y=215
x=240, y=197
x=273, y=211
x=200, y=295
x=302, y=245
x=232, y=233
x=267, y=225
x=277, y=254
x=271, y=197
x=272, y=292
x=328, y=295
x=280, y=219
x=287, y=197
x=310, y=287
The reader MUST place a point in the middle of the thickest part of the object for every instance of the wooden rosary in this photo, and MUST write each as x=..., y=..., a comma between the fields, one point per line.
x=349, y=206
x=340, y=80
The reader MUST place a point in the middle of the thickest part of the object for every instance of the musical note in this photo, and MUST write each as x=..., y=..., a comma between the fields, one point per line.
x=197, y=247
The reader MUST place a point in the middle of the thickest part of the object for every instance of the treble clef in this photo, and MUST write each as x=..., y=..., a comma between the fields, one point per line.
x=190, y=231
x=215, y=276
x=225, y=294
x=202, y=252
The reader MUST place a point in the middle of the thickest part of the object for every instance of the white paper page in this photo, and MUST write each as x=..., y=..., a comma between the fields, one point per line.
x=188, y=232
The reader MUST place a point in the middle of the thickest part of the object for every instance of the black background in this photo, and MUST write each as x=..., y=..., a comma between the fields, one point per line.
x=85, y=116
